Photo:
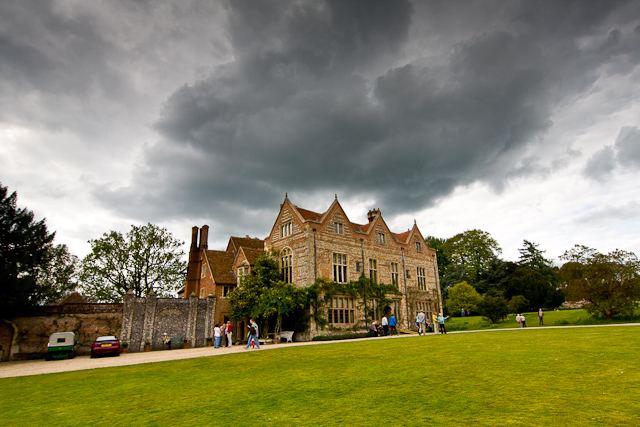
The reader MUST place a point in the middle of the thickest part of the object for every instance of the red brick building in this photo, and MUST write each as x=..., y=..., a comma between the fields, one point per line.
x=216, y=272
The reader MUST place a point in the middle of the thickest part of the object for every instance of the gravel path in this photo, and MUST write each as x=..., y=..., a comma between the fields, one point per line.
x=37, y=367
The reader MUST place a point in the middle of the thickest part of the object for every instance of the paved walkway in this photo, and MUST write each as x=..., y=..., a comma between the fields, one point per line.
x=79, y=363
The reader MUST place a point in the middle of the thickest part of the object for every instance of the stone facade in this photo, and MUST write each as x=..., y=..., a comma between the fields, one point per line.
x=328, y=245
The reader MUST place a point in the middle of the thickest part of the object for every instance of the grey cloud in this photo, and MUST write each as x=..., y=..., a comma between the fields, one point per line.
x=298, y=109
x=608, y=214
x=628, y=146
x=601, y=164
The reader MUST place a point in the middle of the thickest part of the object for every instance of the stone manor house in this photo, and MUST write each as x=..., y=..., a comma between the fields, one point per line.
x=326, y=245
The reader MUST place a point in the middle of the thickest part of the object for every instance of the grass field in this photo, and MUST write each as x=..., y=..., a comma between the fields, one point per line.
x=551, y=318
x=525, y=377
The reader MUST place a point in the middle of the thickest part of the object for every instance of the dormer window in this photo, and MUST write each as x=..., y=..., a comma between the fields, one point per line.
x=337, y=226
x=286, y=229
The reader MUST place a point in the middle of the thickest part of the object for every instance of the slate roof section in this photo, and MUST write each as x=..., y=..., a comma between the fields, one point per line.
x=221, y=265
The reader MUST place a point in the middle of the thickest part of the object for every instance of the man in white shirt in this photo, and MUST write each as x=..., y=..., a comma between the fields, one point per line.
x=420, y=319
x=385, y=325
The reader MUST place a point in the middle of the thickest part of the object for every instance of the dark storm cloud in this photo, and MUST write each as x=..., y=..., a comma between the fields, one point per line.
x=309, y=106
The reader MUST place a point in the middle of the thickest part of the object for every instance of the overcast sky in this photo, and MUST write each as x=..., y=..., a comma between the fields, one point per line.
x=520, y=118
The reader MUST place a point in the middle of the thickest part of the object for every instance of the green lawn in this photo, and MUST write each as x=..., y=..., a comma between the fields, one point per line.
x=546, y=377
x=551, y=318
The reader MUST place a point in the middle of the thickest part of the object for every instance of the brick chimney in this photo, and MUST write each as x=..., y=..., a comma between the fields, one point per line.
x=372, y=214
x=204, y=237
x=193, y=267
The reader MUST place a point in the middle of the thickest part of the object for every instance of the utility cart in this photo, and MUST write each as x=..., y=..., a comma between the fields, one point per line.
x=62, y=345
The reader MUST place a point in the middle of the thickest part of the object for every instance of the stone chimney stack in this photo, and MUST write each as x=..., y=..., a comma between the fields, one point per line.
x=372, y=214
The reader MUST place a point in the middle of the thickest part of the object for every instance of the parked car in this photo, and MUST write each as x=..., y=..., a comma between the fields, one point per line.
x=106, y=345
x=61, y=345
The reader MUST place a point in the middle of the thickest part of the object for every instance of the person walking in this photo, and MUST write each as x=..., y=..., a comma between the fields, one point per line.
x=392, y=324
x=462, y=312
x=217, y=336
x=385, y=325
x=253, y=334
x=434, y=318
x=441, y=320
x=420, y=319
x=519, y=320
x=523, y=320
x=229, y=333
x=540, y=315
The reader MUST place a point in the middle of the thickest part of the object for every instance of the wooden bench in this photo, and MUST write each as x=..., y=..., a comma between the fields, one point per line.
x=286, y=336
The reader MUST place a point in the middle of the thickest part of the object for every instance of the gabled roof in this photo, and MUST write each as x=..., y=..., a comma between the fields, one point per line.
x=251, y=255
x=235, y=243
x=221, y=266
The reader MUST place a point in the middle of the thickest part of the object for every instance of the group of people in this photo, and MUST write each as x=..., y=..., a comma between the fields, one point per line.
x=437, y=323
x=225, y=331
x=388, y=326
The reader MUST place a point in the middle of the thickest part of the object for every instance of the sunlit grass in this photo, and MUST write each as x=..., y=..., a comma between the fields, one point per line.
x=586, y=376
x=550, y=318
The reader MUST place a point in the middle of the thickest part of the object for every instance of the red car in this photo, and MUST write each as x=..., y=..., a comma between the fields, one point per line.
x=106, y=345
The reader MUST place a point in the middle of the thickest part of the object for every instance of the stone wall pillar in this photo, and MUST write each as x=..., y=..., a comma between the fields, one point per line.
x=127, y=317
x=150, y=306
x=192, y=319
x=209, y=316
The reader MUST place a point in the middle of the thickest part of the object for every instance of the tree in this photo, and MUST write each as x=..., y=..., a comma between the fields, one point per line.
x=264, y=296
x=531, y=256
x=610, y=283
x=147, y=259
x=24, y=252
x=462, y=296
x=493, y=308
x=517, y=304
x=59, y=275
x=473, y=250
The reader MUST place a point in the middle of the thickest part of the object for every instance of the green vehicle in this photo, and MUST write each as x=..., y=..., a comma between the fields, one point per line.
x=62, y=345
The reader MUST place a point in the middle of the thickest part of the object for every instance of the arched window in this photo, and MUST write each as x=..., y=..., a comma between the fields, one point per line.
x=287, y=265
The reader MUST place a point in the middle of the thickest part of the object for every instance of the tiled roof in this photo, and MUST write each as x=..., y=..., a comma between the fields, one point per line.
x=221, y=264
x=252, y=255
x=364, y=228
x=235, y=243
x=309, y=215
x=402, y=238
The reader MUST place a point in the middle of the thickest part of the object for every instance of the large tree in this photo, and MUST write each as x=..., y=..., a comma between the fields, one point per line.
x=146, y=259
x=59, y=276
x=463, y=296
x=610, y=283
x=472, y=251
x=264, y=296
x=24, y=252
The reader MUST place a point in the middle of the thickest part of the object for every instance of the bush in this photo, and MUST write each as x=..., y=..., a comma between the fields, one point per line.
x=493, y=308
